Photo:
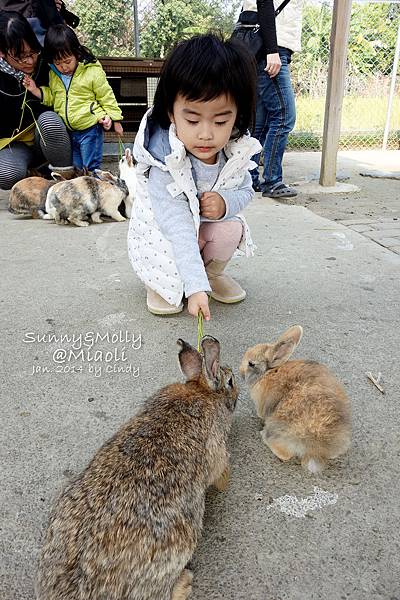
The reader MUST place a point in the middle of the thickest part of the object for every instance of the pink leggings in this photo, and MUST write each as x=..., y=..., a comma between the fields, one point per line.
x=219, y=240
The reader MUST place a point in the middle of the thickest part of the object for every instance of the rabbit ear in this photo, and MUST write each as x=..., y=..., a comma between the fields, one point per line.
x=128, y=157
x=190, y=361
x=211, y=350
x=105, y=176
x=284, y=347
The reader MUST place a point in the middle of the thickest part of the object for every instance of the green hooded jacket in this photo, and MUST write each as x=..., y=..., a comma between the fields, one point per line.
x=88, y=99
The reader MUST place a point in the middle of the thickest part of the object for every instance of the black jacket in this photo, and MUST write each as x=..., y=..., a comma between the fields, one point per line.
x=45, y=10
x=11, y=97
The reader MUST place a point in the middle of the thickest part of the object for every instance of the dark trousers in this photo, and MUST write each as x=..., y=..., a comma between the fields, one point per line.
x=52, y=145
x=87, y=147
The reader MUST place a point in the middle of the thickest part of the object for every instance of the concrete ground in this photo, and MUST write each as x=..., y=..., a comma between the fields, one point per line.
x=378, y=198
x=374, y=211
x=277, y=533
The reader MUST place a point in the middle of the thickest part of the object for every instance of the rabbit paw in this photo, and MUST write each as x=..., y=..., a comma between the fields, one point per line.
x=183, y=587
x=96, y=218
x=79, y=223
x=117, y=217
x=278, y=449
x=223, y=480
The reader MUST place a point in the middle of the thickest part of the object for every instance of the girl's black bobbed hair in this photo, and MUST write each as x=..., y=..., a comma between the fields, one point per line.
x=203, y=68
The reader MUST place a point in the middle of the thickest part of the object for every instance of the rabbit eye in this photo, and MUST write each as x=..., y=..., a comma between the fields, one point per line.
x=251, y=364
x=230, y=381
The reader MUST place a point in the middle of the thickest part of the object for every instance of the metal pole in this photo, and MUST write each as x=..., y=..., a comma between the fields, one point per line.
x=136, y=28
x=391, y=93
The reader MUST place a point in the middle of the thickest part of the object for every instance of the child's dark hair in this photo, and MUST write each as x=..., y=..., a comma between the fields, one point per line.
x=203, y=68
x=61, y=41
x=14, y=31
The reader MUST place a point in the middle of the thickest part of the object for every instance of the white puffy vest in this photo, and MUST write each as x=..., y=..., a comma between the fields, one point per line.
x=150, y=253
x=288, y=22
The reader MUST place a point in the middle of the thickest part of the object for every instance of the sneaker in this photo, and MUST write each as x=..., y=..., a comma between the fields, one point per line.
x=279, y=190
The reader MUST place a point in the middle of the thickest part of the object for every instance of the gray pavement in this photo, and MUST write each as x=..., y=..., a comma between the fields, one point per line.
x=374, y=211
x=378, y=199
x=277, y=533
x=385, y=232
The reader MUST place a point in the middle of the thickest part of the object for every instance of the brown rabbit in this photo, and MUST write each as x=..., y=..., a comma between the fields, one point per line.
x=305, y=409
x=126, y=528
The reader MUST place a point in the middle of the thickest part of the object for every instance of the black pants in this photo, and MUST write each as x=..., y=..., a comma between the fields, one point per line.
x=52, y=145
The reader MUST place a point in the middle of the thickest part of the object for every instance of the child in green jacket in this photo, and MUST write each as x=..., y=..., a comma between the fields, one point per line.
x=79, y=93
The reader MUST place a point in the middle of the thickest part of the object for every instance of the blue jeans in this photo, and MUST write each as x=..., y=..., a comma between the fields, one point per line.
x=38, y=29
x=87, y=147
x=275, y=119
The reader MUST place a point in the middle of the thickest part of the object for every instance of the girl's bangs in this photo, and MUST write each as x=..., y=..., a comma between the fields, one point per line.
x=204, y=91
x=62, y=53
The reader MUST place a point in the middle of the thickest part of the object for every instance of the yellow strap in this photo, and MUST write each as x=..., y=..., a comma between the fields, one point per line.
x=121, y=148
x=22, y=135
x=199, y=330
x=27, y=136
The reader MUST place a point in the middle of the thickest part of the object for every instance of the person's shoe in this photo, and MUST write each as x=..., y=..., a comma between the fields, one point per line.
x=158, y=306
x=256, y=187
x=224, y=288
x=69, y=172
x=279, y=190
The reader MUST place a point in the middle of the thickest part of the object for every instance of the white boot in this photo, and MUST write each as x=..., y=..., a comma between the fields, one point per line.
x=158, y=306
x=224, y=288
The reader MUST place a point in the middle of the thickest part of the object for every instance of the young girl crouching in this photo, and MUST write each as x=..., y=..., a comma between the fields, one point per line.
x=193, y=151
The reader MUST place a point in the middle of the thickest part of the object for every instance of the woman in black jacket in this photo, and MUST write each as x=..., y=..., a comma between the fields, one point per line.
x=23, y=143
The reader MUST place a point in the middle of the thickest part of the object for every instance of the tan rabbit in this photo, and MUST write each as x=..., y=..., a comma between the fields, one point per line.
x=126, y=528
x=305, y=409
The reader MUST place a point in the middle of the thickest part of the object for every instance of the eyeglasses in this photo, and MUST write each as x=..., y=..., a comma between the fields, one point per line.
x=25, y=58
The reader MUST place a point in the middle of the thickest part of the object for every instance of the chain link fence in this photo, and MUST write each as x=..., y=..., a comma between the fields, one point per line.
x=107, y=27
x=373, y=32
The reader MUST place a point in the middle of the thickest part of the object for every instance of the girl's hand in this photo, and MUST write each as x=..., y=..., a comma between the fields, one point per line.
x=31, y=86
x=199, y=301
x=118, y=128
x=106, y=122
x=212, y=205
x=273, y=64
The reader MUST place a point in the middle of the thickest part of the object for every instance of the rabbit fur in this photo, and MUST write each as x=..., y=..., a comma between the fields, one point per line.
x=28, y=196
x=127, y=172
x=77, y=200
x=127, y=526
x=305, y=409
